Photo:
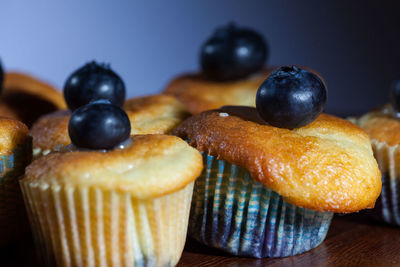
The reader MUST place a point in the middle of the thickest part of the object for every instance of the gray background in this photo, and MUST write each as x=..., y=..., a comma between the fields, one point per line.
x=355, y=45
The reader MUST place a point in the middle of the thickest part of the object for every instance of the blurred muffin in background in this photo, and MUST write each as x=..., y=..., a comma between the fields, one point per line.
x=232, y=68
x=26, y=98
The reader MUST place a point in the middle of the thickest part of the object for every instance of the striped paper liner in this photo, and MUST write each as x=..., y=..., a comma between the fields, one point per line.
x=234, y=213
x=13, y=221
x=387, y=207
x=81, y=226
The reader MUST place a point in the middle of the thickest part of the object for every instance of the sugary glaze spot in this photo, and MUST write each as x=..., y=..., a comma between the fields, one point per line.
x=152, y=166
x=12, y=134
x=327, y=165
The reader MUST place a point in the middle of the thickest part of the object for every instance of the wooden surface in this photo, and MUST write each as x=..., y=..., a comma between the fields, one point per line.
x=353, y=240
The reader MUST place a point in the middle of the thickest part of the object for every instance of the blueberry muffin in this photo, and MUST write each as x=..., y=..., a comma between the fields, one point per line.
x=109, y=199
x=15, y=154
x=148, y=115
x=26, y=98
x=275, y=175
x=383, y=127
x=154, y=114
x=232, y=68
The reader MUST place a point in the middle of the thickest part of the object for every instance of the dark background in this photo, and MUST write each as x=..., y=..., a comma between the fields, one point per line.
x=354, y=45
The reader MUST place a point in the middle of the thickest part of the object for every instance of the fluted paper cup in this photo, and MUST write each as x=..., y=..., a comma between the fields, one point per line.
x=234, y=213
x=84, y=226
x=387, y=207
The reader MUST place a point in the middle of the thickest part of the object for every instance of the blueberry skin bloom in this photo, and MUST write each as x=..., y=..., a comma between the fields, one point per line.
x=92, y=82
x=232, y=53
x=99, y=125
x=395, y=96
x=291, y=98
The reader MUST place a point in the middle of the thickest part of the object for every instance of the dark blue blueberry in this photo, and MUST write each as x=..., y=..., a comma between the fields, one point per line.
x=233, y=53
x=99, y=125
x=291, y=98
x=395, y=95
x=92, y=82
x=1, y=78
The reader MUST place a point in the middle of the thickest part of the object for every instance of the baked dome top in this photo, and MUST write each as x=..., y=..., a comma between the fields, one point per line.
x=12, y=134
x=51, y=130
x=26, y=98
x=327, y=165
x=199, y=94
x=152, y=166
x=154, y=114
x=381, y=126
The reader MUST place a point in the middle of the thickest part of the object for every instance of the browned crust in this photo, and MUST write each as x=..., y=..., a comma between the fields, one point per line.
x=29, y=98
x=12, y=134
x=382, y=126
x=15, y=81
x=327, y=165
x=51, y=130
x=199, y=94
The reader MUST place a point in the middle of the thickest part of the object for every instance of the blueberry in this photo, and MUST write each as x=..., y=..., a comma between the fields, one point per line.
x=233, y=53
x=1, y=78
x=291, y=98
x=395, y=95
x=92, y=82
x=99, y=125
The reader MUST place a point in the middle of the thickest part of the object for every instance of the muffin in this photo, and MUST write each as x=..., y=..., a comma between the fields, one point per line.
x=199, y=94
x=15, y=154
x=154, y=114
x=272, y=181
x=232, y=68
x=26, y=98
x=92, y=205
x=383, y=127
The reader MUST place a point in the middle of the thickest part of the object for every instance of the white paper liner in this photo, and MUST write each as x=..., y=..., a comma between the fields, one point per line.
x=81, y=226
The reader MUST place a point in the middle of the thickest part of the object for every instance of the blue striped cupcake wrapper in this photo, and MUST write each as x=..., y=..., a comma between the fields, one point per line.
x=387, y=207
x=234, y=213
x=13, y=219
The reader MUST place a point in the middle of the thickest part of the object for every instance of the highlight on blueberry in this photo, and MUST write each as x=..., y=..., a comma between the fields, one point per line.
x=233, y=53
x=291, y=97
x=91, y=82
x=99, y=125
x=395, y=96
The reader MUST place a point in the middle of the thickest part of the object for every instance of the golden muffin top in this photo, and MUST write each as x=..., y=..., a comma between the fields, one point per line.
x=327, y=165
x=155, y=114
x=199, y=94
x=26, y=98
x=381, y=126
x=51, y=131
x=12, y=134
x=19, y=82
x=151, y=166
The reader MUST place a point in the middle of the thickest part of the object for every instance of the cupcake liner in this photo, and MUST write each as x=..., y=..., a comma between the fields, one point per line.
x=233, y=212
x=13, y=222
x=387, y=207
x=85, y=226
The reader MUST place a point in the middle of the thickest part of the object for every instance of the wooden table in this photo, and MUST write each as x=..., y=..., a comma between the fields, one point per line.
x=353, y=240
